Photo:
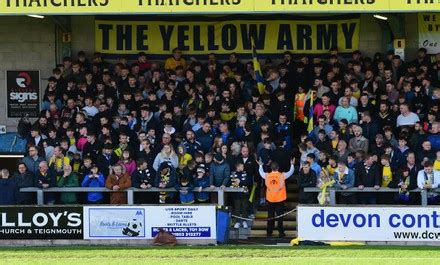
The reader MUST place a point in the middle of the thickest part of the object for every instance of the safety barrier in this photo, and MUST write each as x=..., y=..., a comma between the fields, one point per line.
x=332, y=192
x=130, y=192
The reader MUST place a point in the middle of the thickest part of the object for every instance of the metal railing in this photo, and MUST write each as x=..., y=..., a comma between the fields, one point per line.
x=130, y=192
x=333, y=191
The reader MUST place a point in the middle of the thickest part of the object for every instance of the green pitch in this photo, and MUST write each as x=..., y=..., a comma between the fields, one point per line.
x=222, y=255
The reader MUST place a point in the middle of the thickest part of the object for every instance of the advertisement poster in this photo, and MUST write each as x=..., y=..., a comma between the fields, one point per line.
x=145, y=222
x=41, y=223
x=23, y=93
x=114, y=223
x=189, y=222
x=369, y=223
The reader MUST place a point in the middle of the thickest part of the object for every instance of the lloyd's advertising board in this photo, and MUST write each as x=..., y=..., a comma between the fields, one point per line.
x=145, y=222
x=29, y=222
x=369, y=223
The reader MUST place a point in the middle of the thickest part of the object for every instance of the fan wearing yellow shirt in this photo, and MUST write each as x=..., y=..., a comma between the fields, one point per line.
x=437, y=161
x=58, y=161
x=176, y=60
x=387, y=174
x=332, y=165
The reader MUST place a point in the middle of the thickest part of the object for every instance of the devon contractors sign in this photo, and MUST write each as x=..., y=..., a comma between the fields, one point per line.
x=369, y=223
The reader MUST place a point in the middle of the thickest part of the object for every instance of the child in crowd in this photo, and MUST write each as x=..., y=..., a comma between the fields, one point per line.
x=201, y=181
x=387, y=174
x=240, y=179
x=185, y=189
x=93, y=179
x=332, y=165
x=351, y=161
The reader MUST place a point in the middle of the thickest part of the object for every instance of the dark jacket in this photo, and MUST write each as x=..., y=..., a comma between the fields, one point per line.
x=251, y=168
x=307, y=180
x=140, y=177
x=304, y=181
x=244, y=178
x=370, y=179
x=104, y=163
x=8, y=191
x=50, y=178
x=91, y=150
x=24, y=181
x=170, y=179
x=219, y=174
x=206, y=140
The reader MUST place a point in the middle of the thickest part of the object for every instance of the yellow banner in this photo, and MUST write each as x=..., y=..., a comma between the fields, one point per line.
x=226, y=36
x=69, y=7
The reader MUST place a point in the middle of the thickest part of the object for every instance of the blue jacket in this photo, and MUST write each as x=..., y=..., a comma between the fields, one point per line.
x=31, y=164
x=8, y=191
x=204, y=183
x=94, y=183
x=435, y=141
x=186, y=194
x=398, y=158
x=347, y=180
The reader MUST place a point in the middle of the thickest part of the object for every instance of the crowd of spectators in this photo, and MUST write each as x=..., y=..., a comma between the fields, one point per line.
x=191, y=125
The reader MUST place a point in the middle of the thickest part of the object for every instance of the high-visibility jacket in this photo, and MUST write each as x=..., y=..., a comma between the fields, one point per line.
x=300, y=101
x=276, y=187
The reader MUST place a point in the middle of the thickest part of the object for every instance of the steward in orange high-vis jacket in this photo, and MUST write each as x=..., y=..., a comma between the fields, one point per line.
x=276, y=194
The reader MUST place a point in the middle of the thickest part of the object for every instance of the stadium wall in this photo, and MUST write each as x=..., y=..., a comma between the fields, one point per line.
x=25, y=44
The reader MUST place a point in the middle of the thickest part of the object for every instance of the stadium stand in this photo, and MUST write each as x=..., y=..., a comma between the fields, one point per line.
x=180, y=127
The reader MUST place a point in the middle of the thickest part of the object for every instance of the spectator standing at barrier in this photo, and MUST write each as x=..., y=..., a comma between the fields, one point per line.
x=118, y=181
x=345, y=179
x=240, y=179
x=68, y=179
x=8, y=189
x=143, y=178
x=219, y=172
x=185, y=188
x=367, y=175
x=94, y=179
x=46, y=178
x=106, y=160
x=307, y=178
x=32, y=160
x=429, y=179
x=24, y=179
x=201, y=181
x=166, y=177
x=402, y=181
x=276, y=195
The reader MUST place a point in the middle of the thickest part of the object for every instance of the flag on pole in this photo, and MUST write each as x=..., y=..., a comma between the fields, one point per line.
x=257, y=68
x=310, y=114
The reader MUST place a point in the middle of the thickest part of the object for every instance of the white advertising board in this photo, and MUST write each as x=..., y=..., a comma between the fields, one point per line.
x=368, y=223
x=144, y=222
